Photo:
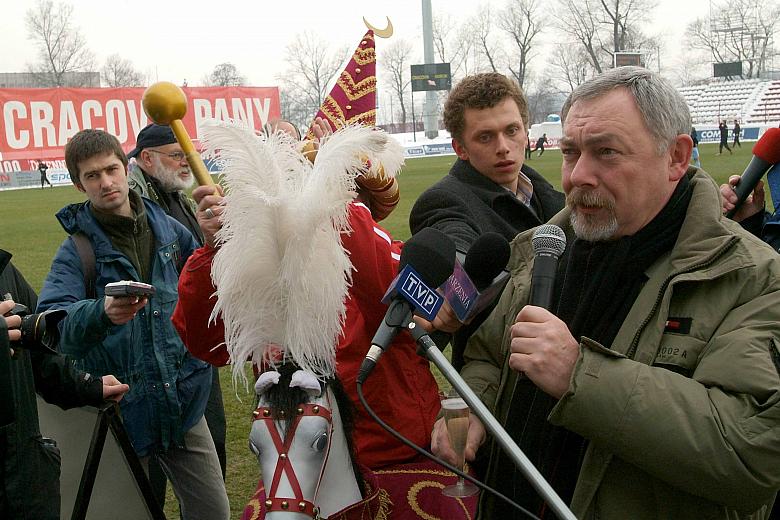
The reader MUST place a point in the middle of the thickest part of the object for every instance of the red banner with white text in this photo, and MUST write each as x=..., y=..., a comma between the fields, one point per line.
x=36, y=123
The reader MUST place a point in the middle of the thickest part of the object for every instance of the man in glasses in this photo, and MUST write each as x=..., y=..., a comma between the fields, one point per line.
x=158, y=170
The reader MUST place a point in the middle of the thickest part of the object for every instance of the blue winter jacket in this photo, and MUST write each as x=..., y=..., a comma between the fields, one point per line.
x=168, y=387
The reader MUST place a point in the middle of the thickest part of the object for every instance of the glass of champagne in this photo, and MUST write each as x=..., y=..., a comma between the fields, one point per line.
x=456, y=416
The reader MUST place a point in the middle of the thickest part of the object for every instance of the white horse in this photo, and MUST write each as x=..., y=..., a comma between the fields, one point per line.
x=299, y=438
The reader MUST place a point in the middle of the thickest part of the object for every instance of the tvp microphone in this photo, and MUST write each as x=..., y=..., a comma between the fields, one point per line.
x=427, y=260
x=766, y=152
x=548, y=242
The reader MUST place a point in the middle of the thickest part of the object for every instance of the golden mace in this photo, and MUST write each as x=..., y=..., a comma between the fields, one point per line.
x=166, y=104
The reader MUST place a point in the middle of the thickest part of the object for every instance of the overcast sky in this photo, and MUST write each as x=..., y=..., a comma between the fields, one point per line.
x=174, y=40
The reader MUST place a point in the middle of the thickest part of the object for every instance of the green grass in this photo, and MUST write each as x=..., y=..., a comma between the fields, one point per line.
x=32, y=235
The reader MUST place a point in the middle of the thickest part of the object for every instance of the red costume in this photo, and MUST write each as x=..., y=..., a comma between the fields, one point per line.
x=401, y=389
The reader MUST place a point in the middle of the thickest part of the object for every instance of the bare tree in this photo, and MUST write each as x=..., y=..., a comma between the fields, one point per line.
x=482, y=28
x=570, y=65
x=311, y=67
x=740, y=31
x=577, y=19
x=623, y=17
x=225, y=75
x=691, y=68
x=522, y=22
x=119, y=72
x=442, y=26
x=396, y=60
x=603, y=27
x=543, y=99
x=62, y=49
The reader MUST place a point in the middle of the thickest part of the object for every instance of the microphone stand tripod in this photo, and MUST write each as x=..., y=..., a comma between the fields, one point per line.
x=427, y=347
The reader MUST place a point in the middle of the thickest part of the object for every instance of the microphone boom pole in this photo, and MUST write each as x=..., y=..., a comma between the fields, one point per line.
x=492, y=425
x=166, y=104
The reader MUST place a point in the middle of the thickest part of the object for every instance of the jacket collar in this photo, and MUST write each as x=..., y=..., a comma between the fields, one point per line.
x=78, y=217
x=489, y=191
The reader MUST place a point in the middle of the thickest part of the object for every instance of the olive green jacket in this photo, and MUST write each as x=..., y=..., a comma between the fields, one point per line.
x=663, y=445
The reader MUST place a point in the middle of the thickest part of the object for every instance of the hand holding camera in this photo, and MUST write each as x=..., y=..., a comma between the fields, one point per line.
x=124, y=299
x=12, y=322
x=38, y=332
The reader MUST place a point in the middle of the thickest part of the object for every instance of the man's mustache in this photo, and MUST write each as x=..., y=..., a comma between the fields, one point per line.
x=589, y=198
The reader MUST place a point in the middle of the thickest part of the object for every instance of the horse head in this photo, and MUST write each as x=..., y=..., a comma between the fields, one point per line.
x=299, y=438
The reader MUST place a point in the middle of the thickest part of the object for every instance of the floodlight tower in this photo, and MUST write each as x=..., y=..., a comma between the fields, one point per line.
x=430, y=107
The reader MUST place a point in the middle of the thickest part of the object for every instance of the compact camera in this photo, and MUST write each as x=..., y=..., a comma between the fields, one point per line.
x=129, y=288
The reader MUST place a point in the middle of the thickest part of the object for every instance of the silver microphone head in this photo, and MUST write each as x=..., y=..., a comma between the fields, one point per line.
x=549, y=239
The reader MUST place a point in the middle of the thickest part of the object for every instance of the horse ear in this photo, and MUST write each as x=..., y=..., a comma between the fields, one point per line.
x=307, y=382
x=266, y=380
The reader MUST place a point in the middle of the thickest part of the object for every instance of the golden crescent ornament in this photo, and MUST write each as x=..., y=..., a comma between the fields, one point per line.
x=387, y=32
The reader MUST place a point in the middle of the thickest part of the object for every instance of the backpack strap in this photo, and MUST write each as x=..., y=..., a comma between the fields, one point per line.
x=87, y=255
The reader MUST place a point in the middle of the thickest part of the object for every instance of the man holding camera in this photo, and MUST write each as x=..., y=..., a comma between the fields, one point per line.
x=29, y=463
x=133, y=239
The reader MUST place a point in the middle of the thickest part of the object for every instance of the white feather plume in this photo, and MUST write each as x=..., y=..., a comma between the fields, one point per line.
x=391, y=157
x=281, y=272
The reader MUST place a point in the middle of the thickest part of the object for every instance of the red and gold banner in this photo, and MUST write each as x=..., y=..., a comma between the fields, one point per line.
x=36, y=123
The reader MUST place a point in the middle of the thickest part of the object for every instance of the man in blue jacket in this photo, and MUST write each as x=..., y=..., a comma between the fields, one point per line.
x=132, y=336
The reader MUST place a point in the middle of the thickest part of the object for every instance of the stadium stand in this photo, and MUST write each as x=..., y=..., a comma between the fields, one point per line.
x=726, y=100
x=768, y=106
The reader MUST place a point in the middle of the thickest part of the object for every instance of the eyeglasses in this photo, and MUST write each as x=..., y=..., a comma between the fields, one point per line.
x=176, y=156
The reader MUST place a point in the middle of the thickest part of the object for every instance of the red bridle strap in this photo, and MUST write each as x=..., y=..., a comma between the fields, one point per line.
x=298, y=504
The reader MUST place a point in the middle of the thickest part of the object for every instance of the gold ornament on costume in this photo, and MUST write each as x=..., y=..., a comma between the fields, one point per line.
x=353, y=101
x=387, y=32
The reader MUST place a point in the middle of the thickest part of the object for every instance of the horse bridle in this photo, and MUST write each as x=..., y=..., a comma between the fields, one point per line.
x=296, y=504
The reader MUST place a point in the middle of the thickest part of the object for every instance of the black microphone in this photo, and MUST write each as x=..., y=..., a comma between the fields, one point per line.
x=485, y=259
x=766, y=152
x=549, y=243
x=427, y=260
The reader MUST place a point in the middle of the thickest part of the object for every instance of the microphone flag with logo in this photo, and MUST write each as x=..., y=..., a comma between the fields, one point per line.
x=478, y=281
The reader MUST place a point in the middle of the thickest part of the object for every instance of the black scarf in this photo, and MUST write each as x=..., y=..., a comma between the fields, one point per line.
x=596, y=286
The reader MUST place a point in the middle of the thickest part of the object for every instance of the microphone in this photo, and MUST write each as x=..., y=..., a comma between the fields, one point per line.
x=548, y=242
x=766, y=152
x=427, y=260
x=485, y=259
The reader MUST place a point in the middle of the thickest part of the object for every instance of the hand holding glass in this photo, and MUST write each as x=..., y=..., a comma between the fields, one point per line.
x=456, y=416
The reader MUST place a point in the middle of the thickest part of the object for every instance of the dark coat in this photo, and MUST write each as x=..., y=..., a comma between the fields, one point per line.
x=30, y=465
x=465, y=204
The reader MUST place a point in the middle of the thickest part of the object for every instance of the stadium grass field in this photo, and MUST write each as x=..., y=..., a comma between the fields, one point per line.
x=32, y=234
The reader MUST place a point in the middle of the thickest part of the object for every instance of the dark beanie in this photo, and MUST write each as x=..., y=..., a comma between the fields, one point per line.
x=152, y=135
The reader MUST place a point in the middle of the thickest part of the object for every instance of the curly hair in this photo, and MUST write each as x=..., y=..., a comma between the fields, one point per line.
x=480, y=91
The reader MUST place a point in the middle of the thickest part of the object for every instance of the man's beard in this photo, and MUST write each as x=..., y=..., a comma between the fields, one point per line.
x=592, y=228
x=169, y=177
